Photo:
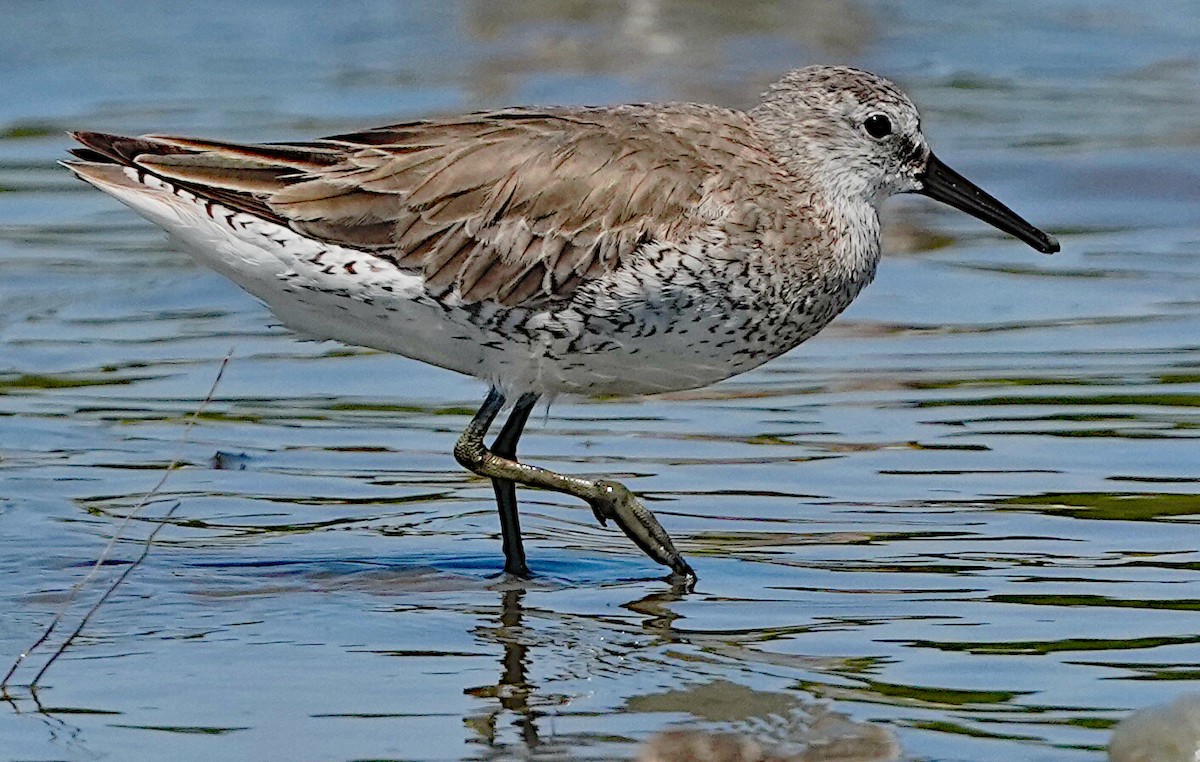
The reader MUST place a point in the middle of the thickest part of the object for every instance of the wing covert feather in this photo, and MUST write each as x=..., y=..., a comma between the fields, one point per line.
x=516, y=206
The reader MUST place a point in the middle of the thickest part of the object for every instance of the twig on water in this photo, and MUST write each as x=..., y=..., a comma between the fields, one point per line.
x=107, y=594
x=104, y=554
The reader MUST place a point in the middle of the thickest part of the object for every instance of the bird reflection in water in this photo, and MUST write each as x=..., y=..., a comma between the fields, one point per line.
x=516, y=700
x=783, y=727
x=514, y=690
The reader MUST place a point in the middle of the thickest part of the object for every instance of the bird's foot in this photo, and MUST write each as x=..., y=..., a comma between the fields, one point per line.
x=616, y=502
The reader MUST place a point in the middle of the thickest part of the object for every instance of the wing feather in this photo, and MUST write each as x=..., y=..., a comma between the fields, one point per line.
x=518, y=207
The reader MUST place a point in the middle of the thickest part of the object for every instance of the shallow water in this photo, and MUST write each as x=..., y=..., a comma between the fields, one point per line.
x=966, y=512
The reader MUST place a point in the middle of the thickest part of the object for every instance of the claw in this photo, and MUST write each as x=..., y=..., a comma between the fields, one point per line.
x=616, y=502
x=600, y=515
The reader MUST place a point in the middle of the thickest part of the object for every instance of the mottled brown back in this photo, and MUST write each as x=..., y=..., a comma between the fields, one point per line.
x=515, y=206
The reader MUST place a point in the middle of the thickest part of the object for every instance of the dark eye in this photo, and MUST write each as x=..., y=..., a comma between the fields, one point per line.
x=878, y=126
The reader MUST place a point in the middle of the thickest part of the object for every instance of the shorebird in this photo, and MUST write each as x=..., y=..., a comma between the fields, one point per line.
x=577, y=250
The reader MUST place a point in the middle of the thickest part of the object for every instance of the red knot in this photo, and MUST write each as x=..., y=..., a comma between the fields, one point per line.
x=614, y=250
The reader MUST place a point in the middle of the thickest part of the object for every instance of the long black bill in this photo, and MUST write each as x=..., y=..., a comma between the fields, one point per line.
x=944, y=184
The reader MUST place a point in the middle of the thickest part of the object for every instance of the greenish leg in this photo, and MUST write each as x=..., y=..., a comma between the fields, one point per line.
x=608, y=499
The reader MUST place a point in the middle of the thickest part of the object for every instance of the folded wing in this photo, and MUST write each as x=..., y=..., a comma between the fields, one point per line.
x=516, y=206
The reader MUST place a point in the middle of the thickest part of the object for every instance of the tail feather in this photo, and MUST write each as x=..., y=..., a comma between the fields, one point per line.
x=238, y=177
x=119, y=148
x=306, y=157
x=223, y=171
x=102, y=174
x=87, y=154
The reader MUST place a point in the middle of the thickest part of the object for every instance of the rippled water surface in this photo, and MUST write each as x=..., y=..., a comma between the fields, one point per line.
x=965, y=513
